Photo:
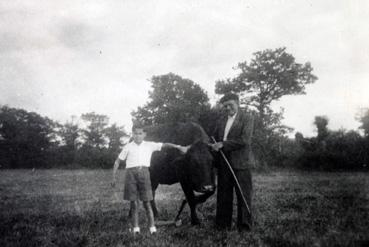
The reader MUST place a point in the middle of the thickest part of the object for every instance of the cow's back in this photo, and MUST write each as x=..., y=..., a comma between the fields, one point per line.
x=165, y=164
x=177, y=133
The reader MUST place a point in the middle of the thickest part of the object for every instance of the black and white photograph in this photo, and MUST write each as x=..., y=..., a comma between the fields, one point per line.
x=184, y=123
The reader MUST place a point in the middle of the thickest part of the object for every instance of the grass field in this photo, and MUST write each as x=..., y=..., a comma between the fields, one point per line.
x=79, y=208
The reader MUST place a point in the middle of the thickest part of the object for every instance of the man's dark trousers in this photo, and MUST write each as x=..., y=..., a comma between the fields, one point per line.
x=226, y=186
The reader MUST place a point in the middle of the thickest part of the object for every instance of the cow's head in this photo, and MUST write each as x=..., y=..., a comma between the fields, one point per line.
x=199, y=160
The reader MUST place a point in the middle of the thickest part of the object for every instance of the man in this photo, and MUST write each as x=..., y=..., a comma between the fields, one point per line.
x=233, y=135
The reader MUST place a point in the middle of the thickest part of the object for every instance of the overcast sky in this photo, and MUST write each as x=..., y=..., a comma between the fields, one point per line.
x=68, y=57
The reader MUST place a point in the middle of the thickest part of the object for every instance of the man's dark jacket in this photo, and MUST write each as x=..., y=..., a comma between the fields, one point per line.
x=237, y=147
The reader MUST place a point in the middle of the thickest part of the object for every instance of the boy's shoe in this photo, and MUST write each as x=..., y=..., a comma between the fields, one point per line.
x=153, y=230
x=134, y=230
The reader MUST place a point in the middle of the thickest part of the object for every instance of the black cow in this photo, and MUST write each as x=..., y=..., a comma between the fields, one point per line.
x=193, y=170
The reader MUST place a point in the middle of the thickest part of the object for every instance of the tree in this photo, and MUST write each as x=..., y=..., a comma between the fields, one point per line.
x=321, y=123
x=269, y=76
x=101, y=142
x=172, y=99
x=94, y=132
x=114, y=134
x=364, y=120
x=67, y=152
x=70, y=132
x=27, y=138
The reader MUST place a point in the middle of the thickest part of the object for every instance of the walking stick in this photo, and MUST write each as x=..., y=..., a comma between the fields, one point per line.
x=234, y=177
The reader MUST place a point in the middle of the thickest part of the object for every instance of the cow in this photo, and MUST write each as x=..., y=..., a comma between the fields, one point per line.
x=193, y=170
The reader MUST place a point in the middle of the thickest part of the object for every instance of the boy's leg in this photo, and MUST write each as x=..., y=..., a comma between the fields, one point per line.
x=134, y=216
x=149, y=213
x=130, y=194
x=145, y=195
x=150, y=216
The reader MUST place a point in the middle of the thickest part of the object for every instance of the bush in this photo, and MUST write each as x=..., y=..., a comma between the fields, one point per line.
x=340, y=150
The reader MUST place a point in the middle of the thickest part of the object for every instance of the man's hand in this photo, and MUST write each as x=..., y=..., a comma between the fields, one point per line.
x=217, y=146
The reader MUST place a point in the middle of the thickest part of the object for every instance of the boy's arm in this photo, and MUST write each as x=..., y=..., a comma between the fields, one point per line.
x=121, y=157
x=179, y=147
x=115, y=168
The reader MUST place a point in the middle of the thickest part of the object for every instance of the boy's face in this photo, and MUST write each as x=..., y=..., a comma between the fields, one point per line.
x=138, y=135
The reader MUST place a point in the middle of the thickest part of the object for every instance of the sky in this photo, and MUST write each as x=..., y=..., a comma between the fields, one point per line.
x=64, y=58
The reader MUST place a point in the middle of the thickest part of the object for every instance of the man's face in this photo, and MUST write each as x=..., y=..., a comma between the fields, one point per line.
x=231, y=107
x=138, y=135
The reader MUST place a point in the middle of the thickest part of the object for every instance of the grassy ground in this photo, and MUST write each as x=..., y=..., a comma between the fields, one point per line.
x=79, y=208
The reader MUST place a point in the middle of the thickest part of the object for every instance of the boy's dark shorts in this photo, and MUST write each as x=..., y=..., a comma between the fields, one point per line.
x=138, y=184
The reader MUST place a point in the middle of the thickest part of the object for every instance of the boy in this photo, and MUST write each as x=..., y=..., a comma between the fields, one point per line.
x=137, y=183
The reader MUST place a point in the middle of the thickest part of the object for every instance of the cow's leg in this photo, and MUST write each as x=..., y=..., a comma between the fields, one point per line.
x=180, y=209
x=190, y=197
x=153, y=204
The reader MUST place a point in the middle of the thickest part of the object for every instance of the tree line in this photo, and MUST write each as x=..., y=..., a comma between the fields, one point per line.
x=30, y=140
x=333, y=150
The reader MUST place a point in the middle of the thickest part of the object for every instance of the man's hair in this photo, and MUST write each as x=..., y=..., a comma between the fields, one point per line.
x=138, y=126
x=229, y=96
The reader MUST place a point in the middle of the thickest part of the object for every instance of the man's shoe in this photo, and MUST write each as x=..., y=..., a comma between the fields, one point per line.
x=222, y=227
x=244, y=228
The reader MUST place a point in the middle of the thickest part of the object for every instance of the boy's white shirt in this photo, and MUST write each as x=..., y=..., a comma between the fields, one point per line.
x=139, y=155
